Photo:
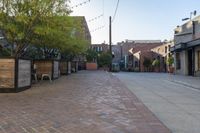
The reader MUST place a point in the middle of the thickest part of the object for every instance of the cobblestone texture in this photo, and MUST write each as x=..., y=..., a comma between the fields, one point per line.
x=86, y=102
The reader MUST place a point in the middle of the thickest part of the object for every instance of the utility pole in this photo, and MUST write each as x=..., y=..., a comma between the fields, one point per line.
x=110, y=40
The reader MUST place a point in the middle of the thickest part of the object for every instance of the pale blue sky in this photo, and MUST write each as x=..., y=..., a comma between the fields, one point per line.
x=136, y=19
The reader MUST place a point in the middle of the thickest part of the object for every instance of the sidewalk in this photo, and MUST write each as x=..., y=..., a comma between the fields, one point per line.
x=86, y=102
x=189, y=81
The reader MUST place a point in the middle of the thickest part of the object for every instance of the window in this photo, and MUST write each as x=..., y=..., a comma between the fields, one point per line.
x=165, y=49
x=178, y=61
x=169, y=46
x=198, y=60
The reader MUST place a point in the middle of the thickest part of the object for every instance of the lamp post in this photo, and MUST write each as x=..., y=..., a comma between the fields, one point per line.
x=110, y=40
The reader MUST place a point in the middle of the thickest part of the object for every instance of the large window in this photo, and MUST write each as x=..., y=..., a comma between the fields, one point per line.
x=178, y=61
x=198, y=60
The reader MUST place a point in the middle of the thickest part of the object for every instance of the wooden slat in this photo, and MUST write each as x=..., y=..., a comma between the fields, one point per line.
x=43, y=67
x=7, y=73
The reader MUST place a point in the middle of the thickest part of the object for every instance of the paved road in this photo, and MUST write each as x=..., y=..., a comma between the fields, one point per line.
x=176, y=104
x=85, y=102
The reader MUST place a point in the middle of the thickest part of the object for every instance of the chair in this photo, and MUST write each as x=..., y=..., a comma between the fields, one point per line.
x=46, y=75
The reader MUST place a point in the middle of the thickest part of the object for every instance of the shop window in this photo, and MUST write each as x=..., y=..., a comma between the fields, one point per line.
x=178, y=61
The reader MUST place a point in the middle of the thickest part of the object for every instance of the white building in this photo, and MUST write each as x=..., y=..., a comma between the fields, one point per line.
x=187, y=48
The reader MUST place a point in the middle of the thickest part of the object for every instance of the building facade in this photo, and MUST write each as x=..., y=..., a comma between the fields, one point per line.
x=133, y=53
x=163, y=53
x=100, y=47
x=187, y=48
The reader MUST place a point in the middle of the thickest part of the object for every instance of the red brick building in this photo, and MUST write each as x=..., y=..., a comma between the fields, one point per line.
x=133, y=53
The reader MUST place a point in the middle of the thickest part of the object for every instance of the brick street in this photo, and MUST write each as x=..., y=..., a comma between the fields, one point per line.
x=85, y=102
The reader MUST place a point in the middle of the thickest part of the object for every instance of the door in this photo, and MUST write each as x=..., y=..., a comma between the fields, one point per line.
x=190, y=62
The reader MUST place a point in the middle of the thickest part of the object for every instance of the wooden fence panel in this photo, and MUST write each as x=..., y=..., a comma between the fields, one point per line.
x=7, y=73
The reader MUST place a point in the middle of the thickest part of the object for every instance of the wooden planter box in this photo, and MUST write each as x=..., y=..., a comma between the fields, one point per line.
x=74, y=66
x=15, y=74
x=65, y=67
x=47, y=67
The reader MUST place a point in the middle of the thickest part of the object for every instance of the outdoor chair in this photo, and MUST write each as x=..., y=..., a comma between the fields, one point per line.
x=46, y=75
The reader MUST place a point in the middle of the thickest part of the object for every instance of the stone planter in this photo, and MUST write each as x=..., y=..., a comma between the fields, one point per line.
x=91, y=66
x=171, y=69
x=15, y=74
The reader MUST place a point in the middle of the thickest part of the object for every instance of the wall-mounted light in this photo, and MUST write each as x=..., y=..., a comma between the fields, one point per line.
x=194, y=13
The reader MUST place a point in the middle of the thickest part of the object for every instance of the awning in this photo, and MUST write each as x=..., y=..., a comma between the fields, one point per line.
x=184, y=46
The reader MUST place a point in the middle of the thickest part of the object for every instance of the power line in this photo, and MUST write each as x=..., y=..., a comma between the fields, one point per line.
x=98, y=28
x=98, y=17
x=115, y=11
x=95, y=18
x=80, y=4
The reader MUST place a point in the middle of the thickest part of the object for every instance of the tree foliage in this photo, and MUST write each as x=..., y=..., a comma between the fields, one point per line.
x=42, y=23
x=170, y=60
x=91, y=55
x=105, y=59
x=156, y=63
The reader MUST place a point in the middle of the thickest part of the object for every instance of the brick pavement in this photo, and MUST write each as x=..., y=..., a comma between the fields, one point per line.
x=86, y=102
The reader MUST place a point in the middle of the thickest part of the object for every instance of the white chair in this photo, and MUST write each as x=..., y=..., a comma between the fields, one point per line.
x=46, y=75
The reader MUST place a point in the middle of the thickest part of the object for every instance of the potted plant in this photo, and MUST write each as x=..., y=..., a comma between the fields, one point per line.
x=156, y=65
x=170, y=62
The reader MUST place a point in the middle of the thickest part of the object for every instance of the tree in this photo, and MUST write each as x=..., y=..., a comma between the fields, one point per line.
x=91, y=55
x=105, y=59
x=156, y=64
x=26, y=22
x=4, y=52
x=170, y=60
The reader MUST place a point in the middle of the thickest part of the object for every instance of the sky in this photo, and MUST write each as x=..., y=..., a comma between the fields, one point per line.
x=135, y=19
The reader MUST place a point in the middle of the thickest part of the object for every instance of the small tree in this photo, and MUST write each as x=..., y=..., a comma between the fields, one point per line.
x=91, y=55
x=170, y=61
x=105, y=59
x=147, y=63
x=156, y=64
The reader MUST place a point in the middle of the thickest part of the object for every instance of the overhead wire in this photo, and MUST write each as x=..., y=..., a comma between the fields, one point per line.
x=80, y=4
x=96, y=18
x=113, y=18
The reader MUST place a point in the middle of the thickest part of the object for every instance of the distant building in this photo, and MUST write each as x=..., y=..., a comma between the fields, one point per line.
x=163, y=53
x=100, y=47
x=133, y=53
x=187, y=48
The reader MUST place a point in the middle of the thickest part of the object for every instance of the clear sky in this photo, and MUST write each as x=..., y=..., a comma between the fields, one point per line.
x=135, y=19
